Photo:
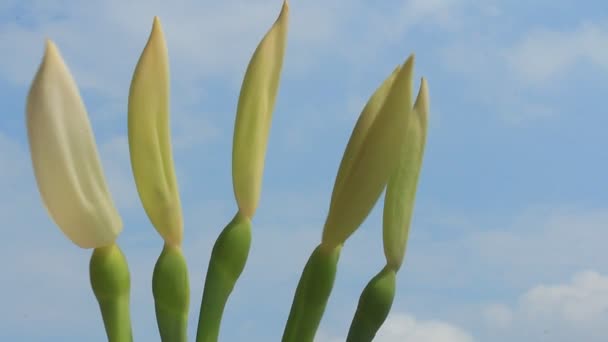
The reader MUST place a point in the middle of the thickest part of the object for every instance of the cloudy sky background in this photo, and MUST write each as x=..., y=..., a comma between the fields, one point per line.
x=509, y=236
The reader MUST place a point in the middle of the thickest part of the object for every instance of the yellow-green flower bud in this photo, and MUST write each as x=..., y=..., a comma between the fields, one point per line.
x=357, y=137
x=373, y=163
x=401, y=188
x=254, y=114
x=150, y=140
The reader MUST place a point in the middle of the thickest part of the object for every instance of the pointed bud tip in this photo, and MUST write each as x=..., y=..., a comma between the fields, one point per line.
x=424, y=87
x=50, y=49
x=284, y=10
x=409, y=63
x=49, y=45
x=156, y=27
x=423, y=97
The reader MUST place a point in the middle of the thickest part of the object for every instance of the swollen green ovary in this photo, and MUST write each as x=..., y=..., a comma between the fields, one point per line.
x=228, y=260
x=374, y=306
x=110, y=280
x=171, y=290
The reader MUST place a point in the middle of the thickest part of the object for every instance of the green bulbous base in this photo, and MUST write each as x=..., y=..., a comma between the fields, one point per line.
x=374, y=306
x=228, y=260
x=111, y=283
x=171, y=290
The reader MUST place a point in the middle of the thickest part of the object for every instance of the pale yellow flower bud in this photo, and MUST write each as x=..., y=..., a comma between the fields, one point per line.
x=373, y=163
x=401, y=188
x=254, y=114
x=150, y=139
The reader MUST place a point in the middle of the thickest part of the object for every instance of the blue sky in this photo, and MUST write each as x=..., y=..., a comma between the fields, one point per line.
x=509, y=234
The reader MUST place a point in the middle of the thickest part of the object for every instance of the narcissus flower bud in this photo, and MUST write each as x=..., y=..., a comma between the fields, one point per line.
x=368, y=168
x=401, y=188
x=65, y=159
x=254, y=114
x=150, y=140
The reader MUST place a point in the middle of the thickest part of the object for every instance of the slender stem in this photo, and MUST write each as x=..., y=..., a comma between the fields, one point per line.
x=110, y=280
x=228, y=260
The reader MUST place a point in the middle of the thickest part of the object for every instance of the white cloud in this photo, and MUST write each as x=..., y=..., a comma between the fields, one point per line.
x=563, y=311
x=572, y=310
x=545, y=54
x=534, y=57
x=406, y=328
x=498, y=316
x=584, y=299
x=401, y=327
x=519, y=76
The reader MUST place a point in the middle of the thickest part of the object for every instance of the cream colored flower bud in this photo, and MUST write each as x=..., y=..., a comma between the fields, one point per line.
x=65, y=159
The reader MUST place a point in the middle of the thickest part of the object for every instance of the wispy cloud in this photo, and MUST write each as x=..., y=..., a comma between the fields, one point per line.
x=576, y=309
x=546, y=55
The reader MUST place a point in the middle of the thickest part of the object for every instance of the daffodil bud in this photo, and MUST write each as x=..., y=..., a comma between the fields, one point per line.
x=254, y=114
x=368, y=168
x=65, y=159
x=357, y=137
x=150, y=141
x=401, y=188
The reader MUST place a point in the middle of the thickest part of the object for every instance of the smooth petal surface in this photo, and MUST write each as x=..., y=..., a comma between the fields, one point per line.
x=366, y=118
x=254, y=114
x=401, y=188
x=65, y=159
x=150, y=141
x=374, y=163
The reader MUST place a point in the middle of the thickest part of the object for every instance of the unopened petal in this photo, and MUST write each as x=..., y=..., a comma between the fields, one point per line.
x=254, y=114
x=150, y=141
x=366, y=118
x=401, y=188
x=65, y=159
x=374, y=163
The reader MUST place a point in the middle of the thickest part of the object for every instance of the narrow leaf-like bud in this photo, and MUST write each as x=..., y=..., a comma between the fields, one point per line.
x=373, y=164
x=401, y=188
x=150, y=140
x=65, y=159
x=254, y=114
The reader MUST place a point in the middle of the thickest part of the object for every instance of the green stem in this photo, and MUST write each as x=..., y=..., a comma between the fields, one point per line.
x=228, y=260
x=374, y=306
x=171, y=291
x=110, y=280
x=311, y=295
